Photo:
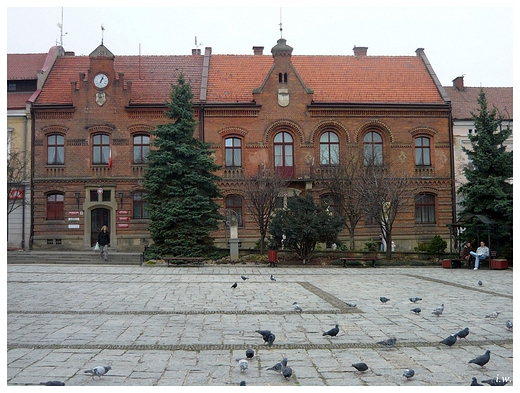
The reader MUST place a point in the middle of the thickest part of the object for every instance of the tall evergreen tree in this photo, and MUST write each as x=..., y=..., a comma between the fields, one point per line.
x=180, y=182
x=488, y=190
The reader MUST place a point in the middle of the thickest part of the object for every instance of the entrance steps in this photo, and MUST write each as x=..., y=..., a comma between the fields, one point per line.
x=72, y=257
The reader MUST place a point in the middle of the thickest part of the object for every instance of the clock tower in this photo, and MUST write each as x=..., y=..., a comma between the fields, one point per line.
x=101, y=74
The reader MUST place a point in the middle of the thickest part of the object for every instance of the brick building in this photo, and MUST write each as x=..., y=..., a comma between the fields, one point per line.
x=279, y=111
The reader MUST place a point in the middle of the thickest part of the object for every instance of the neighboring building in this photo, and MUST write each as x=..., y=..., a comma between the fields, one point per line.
x=464, y=103
x=26, y=74
x=294, y=114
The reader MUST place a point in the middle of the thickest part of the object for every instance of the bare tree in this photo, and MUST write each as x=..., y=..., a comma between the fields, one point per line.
x=16, y=180
x=386, y=194
x=261, y=193
x=342, y=183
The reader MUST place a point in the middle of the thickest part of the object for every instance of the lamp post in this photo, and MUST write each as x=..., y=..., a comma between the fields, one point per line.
x=121, y=195
x=77, y=198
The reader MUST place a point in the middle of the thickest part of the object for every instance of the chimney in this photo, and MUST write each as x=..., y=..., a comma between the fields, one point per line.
x=195, y=52
x=258, y=50
x=458, y=83
x=360, y=51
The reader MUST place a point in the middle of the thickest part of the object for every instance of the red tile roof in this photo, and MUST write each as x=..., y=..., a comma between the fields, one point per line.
x=24, y=66
x=151, y=77
x=464, y=101
x=367, y=79
x=18, y=100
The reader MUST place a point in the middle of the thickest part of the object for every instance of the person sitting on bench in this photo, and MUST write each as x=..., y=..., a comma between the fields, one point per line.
x=482, y=253
x=466, y=253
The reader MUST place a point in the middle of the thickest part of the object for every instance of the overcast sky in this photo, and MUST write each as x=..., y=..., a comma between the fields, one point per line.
x=473, y=41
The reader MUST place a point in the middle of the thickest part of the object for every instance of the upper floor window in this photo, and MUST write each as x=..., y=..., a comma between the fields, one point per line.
x=329, y=149
x=141, y=148
x=233, y=152
x=100, y=149
x=425, y=209
x=422, y=151
x=234, y=207
x=282, y=77
x=140, y=206
x=372, y=149
x=55, y=149
x=55, y=207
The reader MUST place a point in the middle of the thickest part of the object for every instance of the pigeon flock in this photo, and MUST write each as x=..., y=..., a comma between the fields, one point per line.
x=286, y=371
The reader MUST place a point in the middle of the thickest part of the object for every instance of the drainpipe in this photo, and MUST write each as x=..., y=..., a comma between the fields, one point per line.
x=24, y=179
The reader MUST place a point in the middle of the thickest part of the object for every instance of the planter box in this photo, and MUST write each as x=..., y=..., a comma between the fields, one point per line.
x=498, y=264
x=451, y=263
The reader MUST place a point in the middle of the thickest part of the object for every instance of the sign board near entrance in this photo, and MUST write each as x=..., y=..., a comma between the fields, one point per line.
x=123, y=225
x=123, y=212
x=73, y=226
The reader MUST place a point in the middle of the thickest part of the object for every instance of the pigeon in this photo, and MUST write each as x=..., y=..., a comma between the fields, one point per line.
x=360, y=366
x=389, y=342
x=496, y=381
x=474, y=382
x=509, y=325
x=450, y=340
x=479, y=283
x=53, y=383
x=234, y=285
x=416, y=310
x=383, y=299
x=278, y=366
x=242, y=383
x=267, y=335
x=493, y=315
x=242, y=363
x=272, y=278
x=286, y=371
x=244, y=278
x=415, y=299
x=408, y=373
x=98, y=370
x=332, y=332
x=463, y=333
x=250, y=353
x=351, y=304
x=296, y=307
x=439, y=310
x=482, y=359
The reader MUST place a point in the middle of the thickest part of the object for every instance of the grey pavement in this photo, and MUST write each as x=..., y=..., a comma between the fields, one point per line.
x=186, y=326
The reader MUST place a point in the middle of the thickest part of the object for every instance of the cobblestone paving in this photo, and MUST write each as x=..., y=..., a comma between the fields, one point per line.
x=183, y=326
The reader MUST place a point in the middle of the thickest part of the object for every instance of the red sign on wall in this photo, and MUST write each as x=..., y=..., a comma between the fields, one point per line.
x=123, y=225
x=123, y=218
x=123, y=212
x=16, y=194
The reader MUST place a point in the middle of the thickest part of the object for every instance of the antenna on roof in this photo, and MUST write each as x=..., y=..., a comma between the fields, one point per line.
x=60, y=25
x=102, y=33
x=199, y=44
x=281, y=23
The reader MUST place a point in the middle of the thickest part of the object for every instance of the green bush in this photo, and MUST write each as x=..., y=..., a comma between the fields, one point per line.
x=371, y=246
x=436, y=246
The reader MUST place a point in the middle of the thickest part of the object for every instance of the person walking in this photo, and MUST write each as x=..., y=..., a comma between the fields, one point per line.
x=104, y=242
x=482, y=253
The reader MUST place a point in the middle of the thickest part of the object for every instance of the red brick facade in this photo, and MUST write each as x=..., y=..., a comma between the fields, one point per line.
x=251, y=98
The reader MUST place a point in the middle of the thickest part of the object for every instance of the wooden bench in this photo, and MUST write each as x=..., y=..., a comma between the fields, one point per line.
x=471, y=261
x=363, y=260
x=176, y=261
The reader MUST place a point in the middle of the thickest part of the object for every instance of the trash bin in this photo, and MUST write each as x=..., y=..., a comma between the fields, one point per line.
x=272, y=255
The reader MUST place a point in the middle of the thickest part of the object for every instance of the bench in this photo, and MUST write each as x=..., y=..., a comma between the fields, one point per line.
x=363, y=260
x=176, y=261
x=471, y=260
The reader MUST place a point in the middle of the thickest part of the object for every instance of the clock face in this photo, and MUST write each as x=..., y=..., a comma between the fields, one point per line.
x=101, y=81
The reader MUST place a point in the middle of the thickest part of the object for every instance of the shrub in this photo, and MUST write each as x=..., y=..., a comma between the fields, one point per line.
x=436, y=246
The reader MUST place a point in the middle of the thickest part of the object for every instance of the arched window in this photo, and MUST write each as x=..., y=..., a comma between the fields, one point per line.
x=284, y=154
x=141, y=148
x=422, y=151
x=425, y=209
x=140, y=205
x=55, y=149
x=233, y=147
x=55, y=207
x=332, y=204
x=234, y=207
x=372, y=149
x=100, y=149
x=329, y=149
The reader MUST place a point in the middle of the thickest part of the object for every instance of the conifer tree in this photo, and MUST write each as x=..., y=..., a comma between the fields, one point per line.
x=180, y=182
x=488, y=190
